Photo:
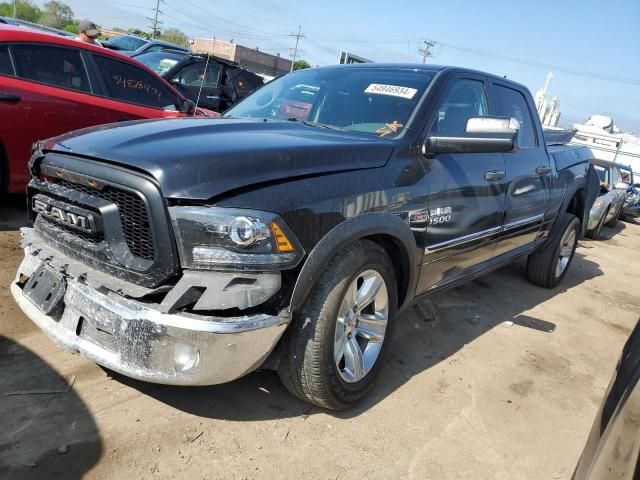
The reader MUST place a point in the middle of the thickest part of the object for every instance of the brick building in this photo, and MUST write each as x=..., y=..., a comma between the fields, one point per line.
x=250, y=58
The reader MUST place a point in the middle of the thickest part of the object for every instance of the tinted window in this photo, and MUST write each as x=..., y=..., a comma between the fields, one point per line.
x=5, y=62
x=128, y=83
x=467, y=98
x=374, y=101
x=193, y=75
x=512, y=103
x=62, y=67
x=244, y=82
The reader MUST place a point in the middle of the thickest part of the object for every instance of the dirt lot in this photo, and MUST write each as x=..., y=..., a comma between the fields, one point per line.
x=503, y=383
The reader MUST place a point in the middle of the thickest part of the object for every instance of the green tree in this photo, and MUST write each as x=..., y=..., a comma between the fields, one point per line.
x=174, y=35
x=57, y=14
x=138, y=33
x=25, y=10
x=301, y=64
x=73, y=27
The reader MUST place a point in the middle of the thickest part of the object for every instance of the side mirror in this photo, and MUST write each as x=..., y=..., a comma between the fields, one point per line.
x=187, y=107
x=621, y=186
x=481, y=135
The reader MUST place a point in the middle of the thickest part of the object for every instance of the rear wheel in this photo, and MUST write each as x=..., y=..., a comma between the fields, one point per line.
x=338, y=340
x=548, y=266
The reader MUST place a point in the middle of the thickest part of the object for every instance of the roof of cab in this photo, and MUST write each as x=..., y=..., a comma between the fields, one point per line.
x=430, y=68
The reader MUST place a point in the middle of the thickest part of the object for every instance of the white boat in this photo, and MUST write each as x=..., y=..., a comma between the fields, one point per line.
x=608, y=142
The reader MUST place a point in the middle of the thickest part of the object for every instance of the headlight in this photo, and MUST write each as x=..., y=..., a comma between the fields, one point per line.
x=599, y=203
x=212, y=237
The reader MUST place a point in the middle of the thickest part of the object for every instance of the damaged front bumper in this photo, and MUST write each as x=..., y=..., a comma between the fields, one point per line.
x=140, y=341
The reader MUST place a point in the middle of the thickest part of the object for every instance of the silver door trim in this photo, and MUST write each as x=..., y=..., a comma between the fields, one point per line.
x=523, y=221
x=464, y=239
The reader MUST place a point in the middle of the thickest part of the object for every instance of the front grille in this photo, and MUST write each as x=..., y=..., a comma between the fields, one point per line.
x=133, y=216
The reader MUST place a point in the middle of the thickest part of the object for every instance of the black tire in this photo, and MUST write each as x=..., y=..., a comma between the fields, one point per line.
x=308, y=368
x=541, y=265
x=595, y=233
x=614, y=220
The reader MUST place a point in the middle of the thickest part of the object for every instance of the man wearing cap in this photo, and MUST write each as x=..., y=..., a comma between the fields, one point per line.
x=88, y=32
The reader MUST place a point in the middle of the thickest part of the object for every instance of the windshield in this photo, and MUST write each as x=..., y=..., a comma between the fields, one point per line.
x=126, y=42
x=374, y=101
x=160, y=62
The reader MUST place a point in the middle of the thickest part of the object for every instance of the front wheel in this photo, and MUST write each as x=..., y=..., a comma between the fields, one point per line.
x=548, y=266
x=338, y=340
x=614, y=220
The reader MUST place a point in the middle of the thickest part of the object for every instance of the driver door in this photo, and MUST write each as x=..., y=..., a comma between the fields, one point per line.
x=466, y=198
x=194, y=81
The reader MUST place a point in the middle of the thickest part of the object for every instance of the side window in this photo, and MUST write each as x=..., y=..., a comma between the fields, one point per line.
x=603, y=173
x=192, y=75
x=467, y=98
x=511, y=103
x=6, y=68
x=57, y=66
x=128, y=83
x=615, y=176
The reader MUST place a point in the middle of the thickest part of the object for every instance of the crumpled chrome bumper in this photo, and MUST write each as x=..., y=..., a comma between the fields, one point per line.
x=141, y=342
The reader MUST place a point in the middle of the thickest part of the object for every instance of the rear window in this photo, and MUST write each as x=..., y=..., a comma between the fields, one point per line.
x=6, y=68
x=62, y=67
x=128, y=83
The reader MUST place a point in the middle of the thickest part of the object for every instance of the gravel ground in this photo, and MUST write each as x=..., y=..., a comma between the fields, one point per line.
x=503, y=382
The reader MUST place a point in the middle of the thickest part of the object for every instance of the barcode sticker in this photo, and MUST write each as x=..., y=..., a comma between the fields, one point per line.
x=393, y=90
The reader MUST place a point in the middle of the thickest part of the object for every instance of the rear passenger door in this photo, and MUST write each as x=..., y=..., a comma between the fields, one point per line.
x=130, y=91
x=466, y=198
x=528, y=172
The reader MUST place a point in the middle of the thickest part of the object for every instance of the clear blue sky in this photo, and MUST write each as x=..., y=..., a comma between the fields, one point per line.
x=588, y=36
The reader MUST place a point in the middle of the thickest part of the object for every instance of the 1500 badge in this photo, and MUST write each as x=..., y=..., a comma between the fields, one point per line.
x=440, y=215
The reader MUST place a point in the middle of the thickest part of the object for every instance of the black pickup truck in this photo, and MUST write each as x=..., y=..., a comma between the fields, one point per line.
x=291, y=232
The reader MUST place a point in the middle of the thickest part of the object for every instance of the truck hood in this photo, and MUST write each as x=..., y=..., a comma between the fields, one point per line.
x=199, y=158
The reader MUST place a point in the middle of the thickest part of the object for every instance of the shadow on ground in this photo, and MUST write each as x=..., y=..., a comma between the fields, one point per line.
x=13, y=212
x=40, y=414
x=421, y=341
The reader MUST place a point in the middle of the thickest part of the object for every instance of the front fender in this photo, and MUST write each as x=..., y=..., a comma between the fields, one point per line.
x=366, y=225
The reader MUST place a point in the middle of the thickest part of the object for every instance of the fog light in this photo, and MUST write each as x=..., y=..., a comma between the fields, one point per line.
x=185, y=357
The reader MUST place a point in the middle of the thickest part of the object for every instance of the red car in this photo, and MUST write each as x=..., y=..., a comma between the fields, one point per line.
x=50, y=85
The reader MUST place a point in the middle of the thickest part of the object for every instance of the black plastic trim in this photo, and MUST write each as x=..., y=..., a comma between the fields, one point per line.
x=366, y=225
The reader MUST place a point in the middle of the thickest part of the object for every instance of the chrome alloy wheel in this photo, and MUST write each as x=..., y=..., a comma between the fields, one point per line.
x=567, y=245
x=361, y=326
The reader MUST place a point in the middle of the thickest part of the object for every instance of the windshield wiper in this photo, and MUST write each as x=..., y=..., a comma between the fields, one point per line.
x=314, y=124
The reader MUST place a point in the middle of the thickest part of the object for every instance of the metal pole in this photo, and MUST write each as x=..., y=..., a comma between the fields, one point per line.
x=295, y=50
x=155, y=20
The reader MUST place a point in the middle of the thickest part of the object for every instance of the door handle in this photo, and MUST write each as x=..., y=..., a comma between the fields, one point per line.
x=543, y=170
x=493, y=175
x=9, y=97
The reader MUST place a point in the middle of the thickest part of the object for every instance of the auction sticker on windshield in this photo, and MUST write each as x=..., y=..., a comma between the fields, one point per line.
x=393, y=90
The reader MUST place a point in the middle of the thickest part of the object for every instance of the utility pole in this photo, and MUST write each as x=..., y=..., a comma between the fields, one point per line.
x=155, y=20
x=427, y=50
x=298, y=36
